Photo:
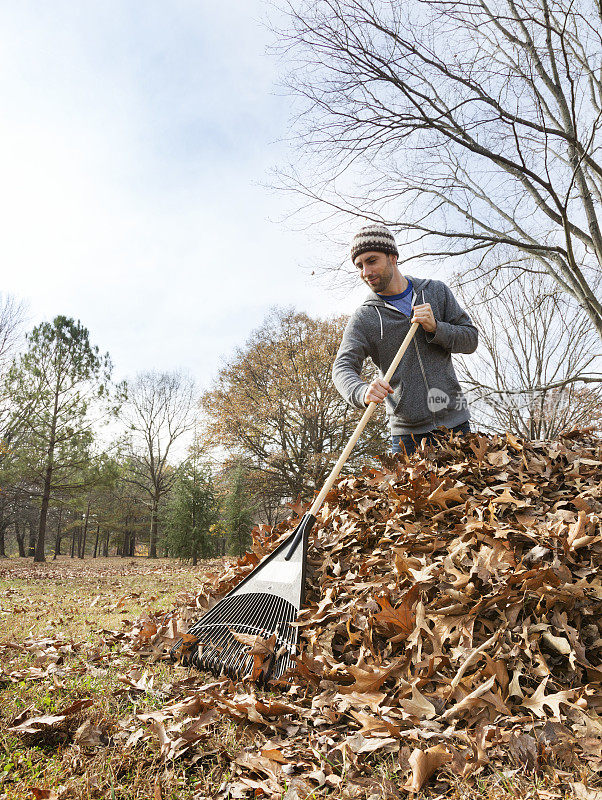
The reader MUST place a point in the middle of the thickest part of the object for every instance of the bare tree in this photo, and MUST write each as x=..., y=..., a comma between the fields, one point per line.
x=12, y=317
x=533, y=372
x=159, y=411
x=466, y=126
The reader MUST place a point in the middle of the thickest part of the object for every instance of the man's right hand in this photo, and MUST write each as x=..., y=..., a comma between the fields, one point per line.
x=377, y=391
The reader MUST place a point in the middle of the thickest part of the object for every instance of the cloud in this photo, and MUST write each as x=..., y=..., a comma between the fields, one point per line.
x=133, y=143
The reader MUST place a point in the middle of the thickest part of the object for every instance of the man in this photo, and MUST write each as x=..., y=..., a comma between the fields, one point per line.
x=424, y=393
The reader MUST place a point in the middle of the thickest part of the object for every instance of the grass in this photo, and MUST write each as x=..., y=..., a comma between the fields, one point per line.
x=73, y=603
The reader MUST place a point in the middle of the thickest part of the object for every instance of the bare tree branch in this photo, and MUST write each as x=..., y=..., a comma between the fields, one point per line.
x=464, y=126
x=527, y=373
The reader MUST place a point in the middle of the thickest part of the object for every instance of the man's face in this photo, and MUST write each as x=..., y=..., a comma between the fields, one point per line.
x=376, y=269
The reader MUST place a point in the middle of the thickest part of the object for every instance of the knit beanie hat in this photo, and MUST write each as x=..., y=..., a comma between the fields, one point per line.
x=373, y=237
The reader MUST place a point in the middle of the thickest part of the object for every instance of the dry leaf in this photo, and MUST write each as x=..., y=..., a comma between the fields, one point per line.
x=583, y=792
x=368, y=680
x=418, y=706
x=438, y=612
x=538, y=700
x=425, y=763
x=88, y=736
x=275, y=755
x=400, y=619
x=441, y=497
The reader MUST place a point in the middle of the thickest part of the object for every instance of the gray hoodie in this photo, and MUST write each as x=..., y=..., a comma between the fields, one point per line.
x=426, y=391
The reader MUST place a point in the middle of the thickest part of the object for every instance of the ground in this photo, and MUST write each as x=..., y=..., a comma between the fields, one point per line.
x=66, y=661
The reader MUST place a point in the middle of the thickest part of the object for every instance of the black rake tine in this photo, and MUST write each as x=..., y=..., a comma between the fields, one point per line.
x=264, y=604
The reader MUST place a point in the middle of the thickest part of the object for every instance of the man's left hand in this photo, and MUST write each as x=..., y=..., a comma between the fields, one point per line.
x=423, y=314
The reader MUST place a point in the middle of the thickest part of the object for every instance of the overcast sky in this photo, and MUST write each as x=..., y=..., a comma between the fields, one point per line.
x=136, y=139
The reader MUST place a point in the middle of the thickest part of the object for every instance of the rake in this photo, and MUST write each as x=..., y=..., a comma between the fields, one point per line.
x=266, y=603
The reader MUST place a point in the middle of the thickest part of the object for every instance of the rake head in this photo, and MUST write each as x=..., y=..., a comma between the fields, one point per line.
x=263, y=605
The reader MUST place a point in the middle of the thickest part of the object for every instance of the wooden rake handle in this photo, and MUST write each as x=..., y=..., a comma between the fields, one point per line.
x=361, y=425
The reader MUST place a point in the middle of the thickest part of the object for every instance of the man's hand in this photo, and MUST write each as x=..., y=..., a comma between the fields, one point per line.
x=377, y=391
x=423, y=314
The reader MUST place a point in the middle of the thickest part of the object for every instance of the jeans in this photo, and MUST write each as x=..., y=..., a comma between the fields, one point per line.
x=411, y=440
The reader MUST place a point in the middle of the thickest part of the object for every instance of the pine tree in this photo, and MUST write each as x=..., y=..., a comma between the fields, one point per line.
x=59, y=388
x=238, y=513
x=192, y=512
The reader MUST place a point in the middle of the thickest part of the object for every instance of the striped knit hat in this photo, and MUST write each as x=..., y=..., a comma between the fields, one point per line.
x=373, y=237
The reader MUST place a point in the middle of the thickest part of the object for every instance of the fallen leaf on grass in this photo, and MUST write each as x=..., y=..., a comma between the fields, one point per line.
x=275, y=755
x=44, y=794
x=88, y=736
x=21, y=717
x=425, y=763
x=159, y=730
x=583, y=792
x=137, y=681
x=37, y=724
x=78, y=706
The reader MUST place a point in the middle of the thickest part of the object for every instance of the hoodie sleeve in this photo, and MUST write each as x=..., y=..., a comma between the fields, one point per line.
x=348, y=364
x=455, y=331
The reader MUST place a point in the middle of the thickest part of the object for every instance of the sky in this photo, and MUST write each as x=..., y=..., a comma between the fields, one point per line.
x=137, y=142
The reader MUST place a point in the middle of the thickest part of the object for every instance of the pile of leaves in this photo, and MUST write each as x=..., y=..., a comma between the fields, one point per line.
x=452, y=631
x=453, y=625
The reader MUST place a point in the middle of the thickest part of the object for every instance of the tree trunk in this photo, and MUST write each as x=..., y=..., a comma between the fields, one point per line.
x=20, y=541
x=106, y=546
x=57, y=537
x=152, y=548
x=3, y=527
x=73, y=542
x=96, y=541
x=32, y=539
x=82, y=551
x=40, y=545
x=125, y=542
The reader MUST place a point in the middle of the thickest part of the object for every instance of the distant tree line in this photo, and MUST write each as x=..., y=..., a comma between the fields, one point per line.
x=91, y=467
x=87, y=465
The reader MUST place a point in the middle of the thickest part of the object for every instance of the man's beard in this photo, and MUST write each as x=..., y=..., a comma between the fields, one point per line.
x=385, y=280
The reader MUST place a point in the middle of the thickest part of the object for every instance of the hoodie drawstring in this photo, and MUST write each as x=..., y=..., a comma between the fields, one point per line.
x=424, y=378
x=381, y=322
